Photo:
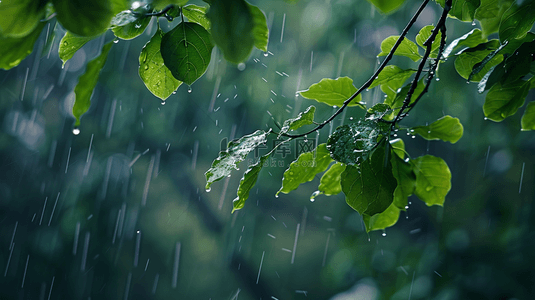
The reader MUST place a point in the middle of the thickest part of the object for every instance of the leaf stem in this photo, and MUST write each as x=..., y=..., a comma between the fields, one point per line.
x=373, y=77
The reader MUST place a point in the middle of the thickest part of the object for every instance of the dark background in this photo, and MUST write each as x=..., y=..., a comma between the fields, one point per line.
x=73, y=224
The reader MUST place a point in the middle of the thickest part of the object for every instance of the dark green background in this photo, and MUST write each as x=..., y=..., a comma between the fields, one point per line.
x=479, y=246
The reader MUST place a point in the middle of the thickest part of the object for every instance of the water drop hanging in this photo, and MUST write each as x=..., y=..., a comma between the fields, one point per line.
x=76, y=131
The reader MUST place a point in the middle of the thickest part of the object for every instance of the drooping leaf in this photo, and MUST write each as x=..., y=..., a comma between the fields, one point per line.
x=503, y=101
x=379, y=111
x=304, y=118
x=471, y=39
x=186, y=51
x=196, y=14
x=447, y=128
x=528, y=119
x=387, y=6
x=330, y=181
x=152, y=70
x=433, y=179
x=392, y=73
x=464, y=10
x=405, y=178
x=236, y=152
x=466, y=61
x=351, y=144
x=14, y=50
x=232, y=28
x=87, y=82
x=260, y=29
x=517, y=20
x=398, y=146
x=248, y=181
x=380, y=221
x=369, y=188
x=424, y=34
x=407, y=48
x=333, y=92
x=69, y=44
x=489, y=14
x=482, y=65
x=305, y=168
x=132, y=26
x=518, y=64
x=84, y=18
x=20, y=17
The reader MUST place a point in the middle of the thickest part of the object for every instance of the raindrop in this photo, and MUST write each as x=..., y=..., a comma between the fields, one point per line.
x=437, y=79
x=115, y=41
x=146, y=67
x=189, y=89
x=485, y=118
x=76, y=131
x=406, y=207
x=137, y=26
x=241, y=66
x=208, y=190
x=163, y=102
x=266, y=54
x=313, y=196
x=384, y=233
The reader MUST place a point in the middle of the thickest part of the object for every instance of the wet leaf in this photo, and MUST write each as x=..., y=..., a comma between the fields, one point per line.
x=232, y=28
x=503, y=101
x=517, y=20
x=305, y=168
x=465, y=62
x=489, y=14
x=397, y=101
x=369, y=188
x=407, y=48
x=248, y=181
x=87, y=82
x=433, y=179
x=69, y=44
x=330, y=181
x=464, y=10
x=196, y=14
x=20, y=17
x=387, y=6
x=132, y=28
x=84, y=18
x=14, y=50
x=424, y=34
x=471, y=39
x=379, y=111
x=236, y=152
x=398, y=146
x=380, y=221
x=352, y=144
x=333, y=92
x=260, y=29
x=528, y=119
x=304, y=118
x=518, y=64
x=405, y=178
x=152, y=70
x=447, y=128
x=392, y=73
x=186, y=51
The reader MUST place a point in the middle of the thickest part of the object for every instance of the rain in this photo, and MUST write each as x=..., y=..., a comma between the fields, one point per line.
x=115, y=208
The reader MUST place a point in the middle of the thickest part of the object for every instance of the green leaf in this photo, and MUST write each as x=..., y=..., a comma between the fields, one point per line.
x=387, y=6
x=352, y=144
x=517, y=20
x=69, y=44
x=405, y=178
x=161, y=4
x=369, y=188
x=333, y=92
x=528, y=119
x=397, y=101
x=84, y=18
x=87, y=82
x=14, y=50
x=464, y=10
x=304, y=118
x=379, y=111
x=407, y=48
x=20, y=17
x=248, y=181
x=477, y=68
x=196, y=14
x=518, y=64
x=466, y=61
x=424, y=34
x=330, y=181
x=129, y=24
x=236, y=152
x=447, y=128
x=433, y=179
x=471, y=39
x=186, y=51
x=489, y=14
x=260, y=29
x=398, y=146
x=380, y=221
x=232, y=28
x=392, y=73
x=305, y=168
x=503, y=101
x=152, y=70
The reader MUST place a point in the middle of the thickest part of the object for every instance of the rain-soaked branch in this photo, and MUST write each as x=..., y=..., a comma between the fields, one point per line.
x=373, y=77
x=163, y=12
x=441, y=27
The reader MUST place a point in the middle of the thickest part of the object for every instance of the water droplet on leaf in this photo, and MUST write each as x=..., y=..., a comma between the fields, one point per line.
x=76, y=131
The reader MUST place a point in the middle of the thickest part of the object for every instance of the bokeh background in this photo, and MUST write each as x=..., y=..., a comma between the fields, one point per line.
x=120, y=211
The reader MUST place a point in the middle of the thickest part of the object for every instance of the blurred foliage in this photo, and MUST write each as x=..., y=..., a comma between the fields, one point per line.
x=73, y=208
